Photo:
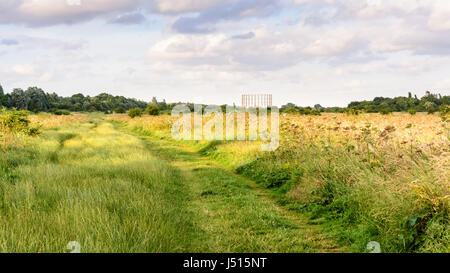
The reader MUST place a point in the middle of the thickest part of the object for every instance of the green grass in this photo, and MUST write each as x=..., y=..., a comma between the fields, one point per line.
x=237, y=215
x=116, y=191
x=356, y=202
x=93, y=185
x=355, y=199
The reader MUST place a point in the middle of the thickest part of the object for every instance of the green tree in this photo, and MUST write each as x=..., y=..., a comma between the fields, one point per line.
x=430, y=107
x=3, y=98
x=119, y=110
x=163, y=104
x=152, y=110
x=18, y=99
x=318, y=107
x=37, y=100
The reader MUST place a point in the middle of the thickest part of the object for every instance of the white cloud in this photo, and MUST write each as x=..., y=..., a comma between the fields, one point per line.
x=177, y=6
x=24, y=69
x=298, y=48
x=268, y=49
x=331, y=43
x=442, y=85
x=50, y=12
x=49, y=8
x=440, y=16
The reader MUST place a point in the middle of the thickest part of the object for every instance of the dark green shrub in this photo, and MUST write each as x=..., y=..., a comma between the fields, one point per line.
x=152, y=110
x=135, y=112
x=58, y=112
x=412, y=111
x=119, y=110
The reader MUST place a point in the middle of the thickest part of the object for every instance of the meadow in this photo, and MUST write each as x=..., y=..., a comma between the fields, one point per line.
x=117, y=184
x=85, y=179
x=366, y=177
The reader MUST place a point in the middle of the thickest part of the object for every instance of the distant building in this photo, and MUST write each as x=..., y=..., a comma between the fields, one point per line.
x=257, y=100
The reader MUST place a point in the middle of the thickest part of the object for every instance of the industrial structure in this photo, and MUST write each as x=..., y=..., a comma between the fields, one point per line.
x=257, y=100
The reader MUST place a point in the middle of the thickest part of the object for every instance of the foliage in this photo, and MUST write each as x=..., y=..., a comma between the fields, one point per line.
x=135, y=112
x=113, y=191
x=119, y=110
x=16, y=122
x=35, y=99
x=444, y=112
x=428, y=103
x=3, y=97
x=291, y=108
x=367, y=177
x=353, y=111
x=58, y=112
x=152, y=110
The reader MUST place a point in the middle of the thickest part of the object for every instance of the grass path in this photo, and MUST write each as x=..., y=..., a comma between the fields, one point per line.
x=234, y=213
x=114, y=191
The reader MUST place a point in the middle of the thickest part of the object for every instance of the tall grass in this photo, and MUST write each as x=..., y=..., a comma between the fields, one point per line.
x=367, y=177
x=86, y=182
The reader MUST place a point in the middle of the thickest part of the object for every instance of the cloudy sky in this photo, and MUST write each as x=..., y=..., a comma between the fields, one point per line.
x=211, y=51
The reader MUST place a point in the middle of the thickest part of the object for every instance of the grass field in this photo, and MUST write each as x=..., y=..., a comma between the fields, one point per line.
x=365, y=177
x=116, y=184
x=88, y=180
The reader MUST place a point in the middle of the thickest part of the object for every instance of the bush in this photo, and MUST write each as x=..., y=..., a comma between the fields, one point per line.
x=412, y=111
x=352, y=111
x=444, y=112
x=15, y=122
x=58, y=112
x=152, y=110
x=135, y=112
x=314, y=113
x=290, y=110
x=385, y=111
x=119, y=110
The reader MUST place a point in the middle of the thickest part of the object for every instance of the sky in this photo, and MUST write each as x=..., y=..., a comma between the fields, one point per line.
x=306, y=52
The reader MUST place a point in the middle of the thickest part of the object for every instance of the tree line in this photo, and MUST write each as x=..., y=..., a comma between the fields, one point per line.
x=34, y=99
x=429, y=103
